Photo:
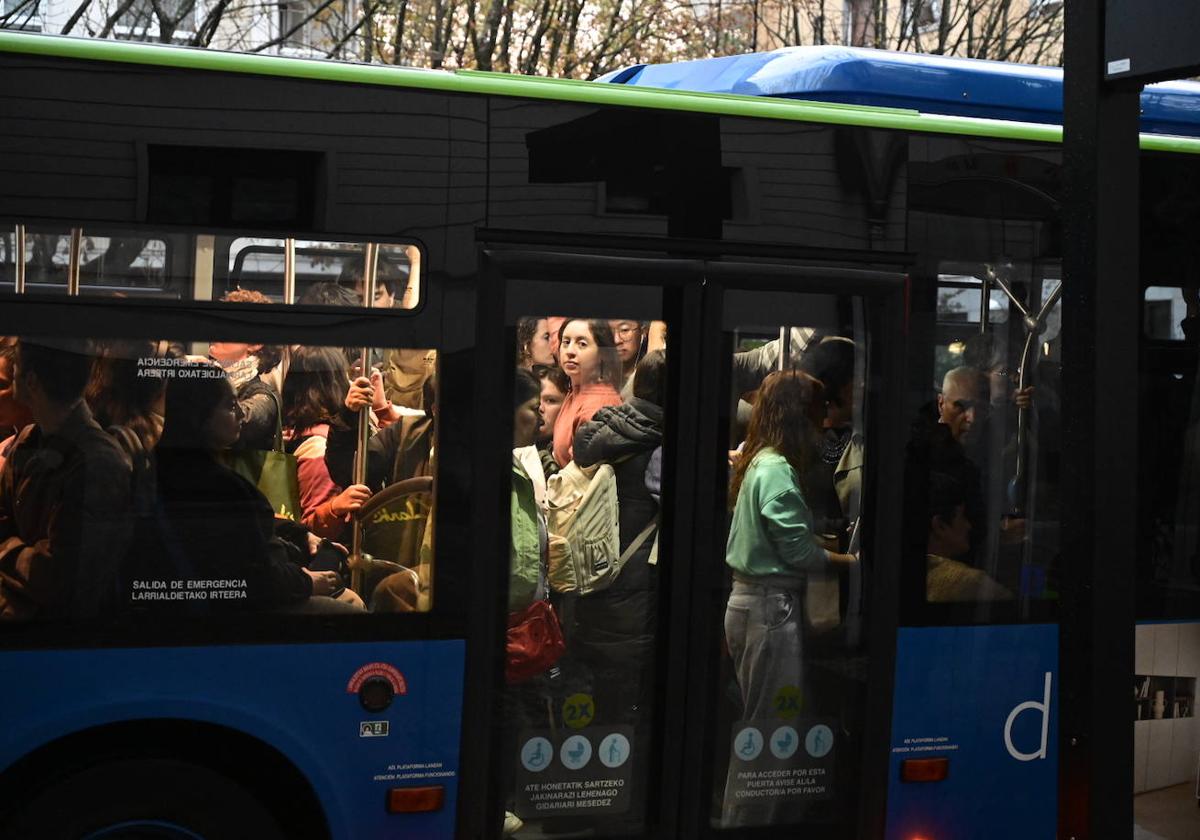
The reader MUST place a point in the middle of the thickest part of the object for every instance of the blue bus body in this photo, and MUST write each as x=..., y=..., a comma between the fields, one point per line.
x=985, y=698
x=927, y=83
x=247, y=689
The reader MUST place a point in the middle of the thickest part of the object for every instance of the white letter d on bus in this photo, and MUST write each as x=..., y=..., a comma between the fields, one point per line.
x=1044, y=708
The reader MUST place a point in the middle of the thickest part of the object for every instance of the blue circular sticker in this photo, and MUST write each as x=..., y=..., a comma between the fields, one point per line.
x=536, y=755
x=614, y=750
x=819, y=741
x=784, y=742
x=747, y=744
x=575, y=752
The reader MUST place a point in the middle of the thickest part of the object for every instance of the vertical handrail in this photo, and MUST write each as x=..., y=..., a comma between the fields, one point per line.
x=19, y=274
x=289, y=271
x=370, y=267
x=985, y=304
x=1034, y=325
x=785, y=347
x=203, y=263
x=73, y=262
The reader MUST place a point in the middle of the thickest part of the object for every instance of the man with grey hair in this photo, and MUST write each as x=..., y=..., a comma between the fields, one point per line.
x=962, y=402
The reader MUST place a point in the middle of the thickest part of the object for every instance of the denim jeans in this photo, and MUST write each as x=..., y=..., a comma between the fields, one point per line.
x=763, y=628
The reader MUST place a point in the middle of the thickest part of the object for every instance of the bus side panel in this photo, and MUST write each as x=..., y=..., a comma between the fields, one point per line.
x=985, y=698
x=299, y=699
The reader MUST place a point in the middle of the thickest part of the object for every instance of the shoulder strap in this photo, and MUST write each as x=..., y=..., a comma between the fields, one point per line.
x=651, y=526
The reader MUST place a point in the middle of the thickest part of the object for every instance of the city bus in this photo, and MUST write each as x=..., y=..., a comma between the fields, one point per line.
x=236, y=642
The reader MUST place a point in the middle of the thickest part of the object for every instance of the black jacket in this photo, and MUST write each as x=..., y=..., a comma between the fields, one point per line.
x=625, y=436
x=215, y=525
x=400, y=451
x=932, y=448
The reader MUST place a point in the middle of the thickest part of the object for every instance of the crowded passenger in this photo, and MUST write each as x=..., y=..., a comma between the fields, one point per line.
x=554, y=389
x=248, y=366
x=835, y=485
x=403, y=371
x=772, y=546
x=312, y=404
x=64, y=494
x=612, y=633
x=329, y=294
x=534, y=641
x=406, y=376
x=947, y=579
x=937, y=444
x=119, y=395
x=394, y=290
x=14, y=415
x=631, y=343
x=529, y=539
x=398, y=451
x=588, y=355
x=751, y=367
x=217, y=525
x=837, y=473
x=533, y=344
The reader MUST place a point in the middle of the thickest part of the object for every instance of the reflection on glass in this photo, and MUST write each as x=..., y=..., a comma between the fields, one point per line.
x=201, y=478
x=110, y=262
x=1167, y=638
x=326, y=273
x=172, y=266
x=789, y=701
x=984, y=454
x=1166, y=730
x=586, y=488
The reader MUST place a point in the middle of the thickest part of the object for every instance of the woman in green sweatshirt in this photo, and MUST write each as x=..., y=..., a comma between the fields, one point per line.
x=771, y=547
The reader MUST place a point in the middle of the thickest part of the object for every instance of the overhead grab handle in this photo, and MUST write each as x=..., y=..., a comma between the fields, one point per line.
x=993, y=276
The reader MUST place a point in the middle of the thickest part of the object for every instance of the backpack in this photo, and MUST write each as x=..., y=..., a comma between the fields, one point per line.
x=583, y=518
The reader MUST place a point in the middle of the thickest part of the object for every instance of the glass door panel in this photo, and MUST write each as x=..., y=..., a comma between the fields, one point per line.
x=595, y=442
x=805, y=377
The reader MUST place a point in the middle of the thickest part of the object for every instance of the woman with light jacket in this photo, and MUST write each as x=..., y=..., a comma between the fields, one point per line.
x=772, y=546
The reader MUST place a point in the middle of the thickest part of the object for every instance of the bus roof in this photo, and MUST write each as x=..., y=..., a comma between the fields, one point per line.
x=565, y=90
x=932, y=84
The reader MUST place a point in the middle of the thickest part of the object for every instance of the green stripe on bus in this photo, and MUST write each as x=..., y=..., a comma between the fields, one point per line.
x=559, y=90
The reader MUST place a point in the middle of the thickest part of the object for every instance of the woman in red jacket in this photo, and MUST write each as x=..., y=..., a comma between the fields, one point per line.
x=312, y=401
x=587, y=353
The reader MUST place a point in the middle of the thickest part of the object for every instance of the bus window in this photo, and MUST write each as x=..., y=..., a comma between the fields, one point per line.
x=109, y=262
x=985, y=448
x=197, y=478
x=588, y=418
x=789, y=704
x=187, y=267
x=325, y=273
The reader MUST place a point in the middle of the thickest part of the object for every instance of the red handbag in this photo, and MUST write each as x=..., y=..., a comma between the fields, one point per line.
x=534, y=642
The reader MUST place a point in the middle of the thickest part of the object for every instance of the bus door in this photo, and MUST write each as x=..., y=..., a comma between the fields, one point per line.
x=794, y=572
x=598, y=468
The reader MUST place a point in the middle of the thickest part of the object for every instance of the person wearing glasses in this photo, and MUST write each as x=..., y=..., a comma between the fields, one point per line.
x=631, y=346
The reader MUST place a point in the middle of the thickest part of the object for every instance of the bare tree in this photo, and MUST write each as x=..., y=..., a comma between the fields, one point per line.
x=571, y=38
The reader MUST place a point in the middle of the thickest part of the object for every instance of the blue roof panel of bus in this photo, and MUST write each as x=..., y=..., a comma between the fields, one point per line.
x=931, y=84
